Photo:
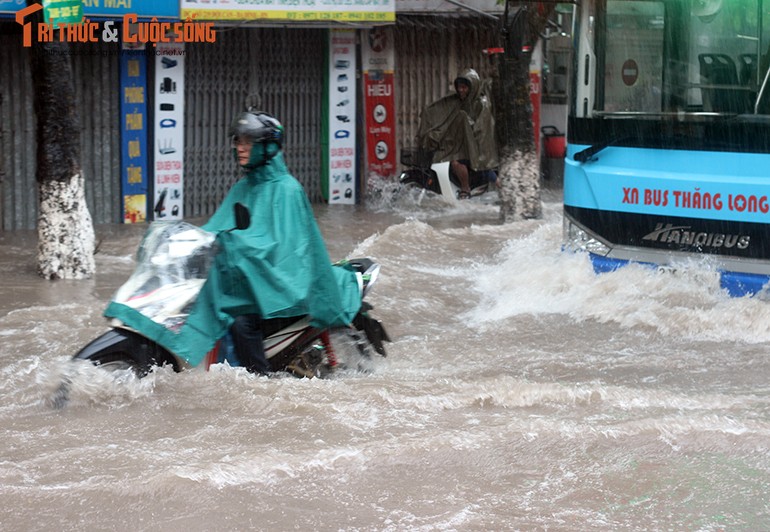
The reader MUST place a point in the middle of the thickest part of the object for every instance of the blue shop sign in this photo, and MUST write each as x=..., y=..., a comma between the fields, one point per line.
x=110, y=9
x=133, y=135
x=10, y=7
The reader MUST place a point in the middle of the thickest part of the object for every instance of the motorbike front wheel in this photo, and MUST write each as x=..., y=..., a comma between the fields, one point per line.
x=115, y=350
x=118, y=362
x=124, y=349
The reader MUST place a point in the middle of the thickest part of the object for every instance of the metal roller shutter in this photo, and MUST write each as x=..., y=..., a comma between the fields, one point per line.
x=280, y=71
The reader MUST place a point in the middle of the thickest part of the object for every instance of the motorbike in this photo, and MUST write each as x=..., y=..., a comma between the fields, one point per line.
x=172, y=265
x=439, y=178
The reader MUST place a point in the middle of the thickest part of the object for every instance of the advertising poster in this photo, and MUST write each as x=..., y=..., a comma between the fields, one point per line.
x=377, y=54
x=169, y=132
x=133, y=136
x=342, y=116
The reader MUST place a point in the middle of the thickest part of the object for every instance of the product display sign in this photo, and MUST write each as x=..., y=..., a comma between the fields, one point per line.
x=169, y=132
x=133, y=134
x=377, y=53
x=342, y=116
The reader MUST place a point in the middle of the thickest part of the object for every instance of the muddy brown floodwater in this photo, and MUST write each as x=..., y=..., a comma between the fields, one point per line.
x=521, y=392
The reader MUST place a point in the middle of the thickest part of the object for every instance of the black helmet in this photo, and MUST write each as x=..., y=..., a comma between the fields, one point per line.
x=257, y=127
x=263, y=131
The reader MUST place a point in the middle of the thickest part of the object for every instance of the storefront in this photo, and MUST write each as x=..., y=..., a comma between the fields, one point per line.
x=283, y=68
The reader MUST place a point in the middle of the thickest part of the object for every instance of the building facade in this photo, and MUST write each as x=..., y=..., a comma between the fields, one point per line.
x=281, y=68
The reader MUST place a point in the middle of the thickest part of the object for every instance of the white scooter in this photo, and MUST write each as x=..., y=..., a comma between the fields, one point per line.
x=439, y=177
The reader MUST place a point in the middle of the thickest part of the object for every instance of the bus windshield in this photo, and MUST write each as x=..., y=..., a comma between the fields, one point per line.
x=660, y=57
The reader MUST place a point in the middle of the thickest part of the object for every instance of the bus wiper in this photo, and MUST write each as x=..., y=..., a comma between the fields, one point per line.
x=586, y=155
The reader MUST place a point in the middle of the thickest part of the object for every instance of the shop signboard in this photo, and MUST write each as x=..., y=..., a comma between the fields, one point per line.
x=133, y=137
x=342, y=117
x=62, y=11
x=104, y=9
x=168, y=184
x=377, y=52
x=333, y=11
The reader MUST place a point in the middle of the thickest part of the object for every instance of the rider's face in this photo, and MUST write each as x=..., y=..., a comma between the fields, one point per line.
x=242, y=149
x=462, y=90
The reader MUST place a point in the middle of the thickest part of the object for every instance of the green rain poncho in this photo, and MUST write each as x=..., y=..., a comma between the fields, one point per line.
x=278, y=267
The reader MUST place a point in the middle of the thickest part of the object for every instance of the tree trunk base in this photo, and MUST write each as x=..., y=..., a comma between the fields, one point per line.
x=518, y=186
x=65, y=231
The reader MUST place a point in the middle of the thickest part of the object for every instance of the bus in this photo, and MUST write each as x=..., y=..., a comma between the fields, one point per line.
x=668, y=136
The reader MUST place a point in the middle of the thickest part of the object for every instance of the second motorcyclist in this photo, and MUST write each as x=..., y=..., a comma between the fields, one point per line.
x=460, y=128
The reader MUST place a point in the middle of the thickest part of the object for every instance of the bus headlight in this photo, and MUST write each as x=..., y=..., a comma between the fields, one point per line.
x=577, y=239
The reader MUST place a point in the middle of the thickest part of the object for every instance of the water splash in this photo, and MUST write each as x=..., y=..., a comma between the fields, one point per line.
x=532, y=276
x=74, y=383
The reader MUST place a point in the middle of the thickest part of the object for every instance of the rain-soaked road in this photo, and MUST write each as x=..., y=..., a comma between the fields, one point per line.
x=521, y=392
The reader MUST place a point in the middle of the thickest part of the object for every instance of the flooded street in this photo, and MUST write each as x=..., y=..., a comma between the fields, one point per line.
x=521, y=392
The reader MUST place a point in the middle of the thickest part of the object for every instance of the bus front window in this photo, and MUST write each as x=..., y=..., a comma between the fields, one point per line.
x=724, y=56
x=674, y=56
x=633, y=59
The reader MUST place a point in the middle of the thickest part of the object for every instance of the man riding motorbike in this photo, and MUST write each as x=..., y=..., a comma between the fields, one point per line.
x=460, y=128
x=278, y=267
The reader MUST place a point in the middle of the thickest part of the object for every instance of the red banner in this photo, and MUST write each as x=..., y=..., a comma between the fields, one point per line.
x=378, y=62
x=534, y=95
x=380, y=123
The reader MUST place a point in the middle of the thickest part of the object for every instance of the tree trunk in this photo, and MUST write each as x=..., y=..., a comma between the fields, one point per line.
x=65, y=233
x=65, y=229
x=519, y=176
